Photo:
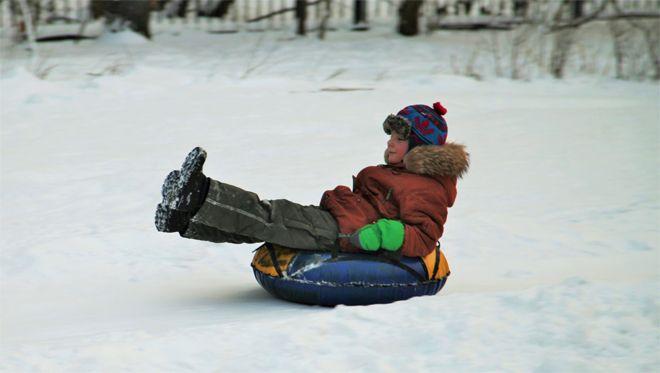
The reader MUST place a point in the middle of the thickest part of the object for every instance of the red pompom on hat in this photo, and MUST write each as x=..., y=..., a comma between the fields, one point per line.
x=439, y=108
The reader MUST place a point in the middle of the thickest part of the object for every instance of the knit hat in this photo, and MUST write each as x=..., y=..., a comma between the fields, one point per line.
x=419, y=124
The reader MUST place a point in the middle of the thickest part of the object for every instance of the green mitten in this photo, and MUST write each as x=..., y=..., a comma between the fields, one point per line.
x=385, y=233
x=392, y=233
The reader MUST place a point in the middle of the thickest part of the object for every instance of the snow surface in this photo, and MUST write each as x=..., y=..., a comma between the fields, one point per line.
x=553, y=242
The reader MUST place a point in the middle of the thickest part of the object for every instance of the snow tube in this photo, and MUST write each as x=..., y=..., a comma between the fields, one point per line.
x=327, y=279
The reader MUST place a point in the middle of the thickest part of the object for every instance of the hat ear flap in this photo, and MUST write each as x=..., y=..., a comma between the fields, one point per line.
x=386, y=125
x=398, y=125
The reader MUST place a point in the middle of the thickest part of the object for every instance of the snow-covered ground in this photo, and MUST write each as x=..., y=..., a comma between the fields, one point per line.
x=553, y=242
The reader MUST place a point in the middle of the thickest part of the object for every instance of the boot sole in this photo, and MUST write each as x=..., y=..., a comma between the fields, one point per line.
x=162, y=219
x=170, y=187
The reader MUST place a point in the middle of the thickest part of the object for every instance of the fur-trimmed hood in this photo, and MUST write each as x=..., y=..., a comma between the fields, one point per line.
x=450, y=159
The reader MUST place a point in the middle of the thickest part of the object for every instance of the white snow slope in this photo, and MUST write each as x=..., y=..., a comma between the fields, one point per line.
x=553, y=242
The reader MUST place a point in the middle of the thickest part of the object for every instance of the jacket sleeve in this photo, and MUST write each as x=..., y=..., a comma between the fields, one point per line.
x=424, y=213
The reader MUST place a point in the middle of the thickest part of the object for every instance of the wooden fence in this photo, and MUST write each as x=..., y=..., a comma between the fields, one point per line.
x=241, y=12
x=240, y=15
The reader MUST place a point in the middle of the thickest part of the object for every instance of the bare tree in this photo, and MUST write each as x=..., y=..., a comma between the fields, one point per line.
x=564, y=33
x=23, y=12
x=618, y=33
x=651, y=33
x=520, y=37
x=323, y=25
x=28, y=21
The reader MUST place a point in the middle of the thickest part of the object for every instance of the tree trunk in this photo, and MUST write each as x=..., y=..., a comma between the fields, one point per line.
x=360, y=15
x=28, y=9
x=301, y=16
x=562, y=45
x=409, y=17
x=617, y=32
x=563, y=39
x=651, y=37
x=323, y=26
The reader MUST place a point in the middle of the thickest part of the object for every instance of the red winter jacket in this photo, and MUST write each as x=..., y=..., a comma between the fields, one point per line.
x=416, y=192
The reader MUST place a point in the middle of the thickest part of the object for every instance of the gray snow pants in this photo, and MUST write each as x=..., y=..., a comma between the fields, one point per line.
x=231, y=214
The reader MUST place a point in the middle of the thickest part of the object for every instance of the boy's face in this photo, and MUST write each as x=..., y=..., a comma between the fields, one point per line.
x=396, y=148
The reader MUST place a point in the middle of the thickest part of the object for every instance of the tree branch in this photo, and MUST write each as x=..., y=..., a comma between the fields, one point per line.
x=621, y=14
x=596, y=15
x=577, y=22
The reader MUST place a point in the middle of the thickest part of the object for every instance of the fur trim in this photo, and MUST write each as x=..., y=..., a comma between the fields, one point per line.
x=398, y=124
x=449, y=159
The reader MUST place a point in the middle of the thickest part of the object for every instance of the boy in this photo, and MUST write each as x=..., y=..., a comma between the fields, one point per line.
x=399, y=206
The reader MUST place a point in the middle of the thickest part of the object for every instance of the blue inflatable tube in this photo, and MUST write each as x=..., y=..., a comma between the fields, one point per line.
x=319, y=278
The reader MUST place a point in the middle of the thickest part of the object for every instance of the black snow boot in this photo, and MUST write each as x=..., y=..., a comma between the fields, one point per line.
x=168, y=220
x=185, y=190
